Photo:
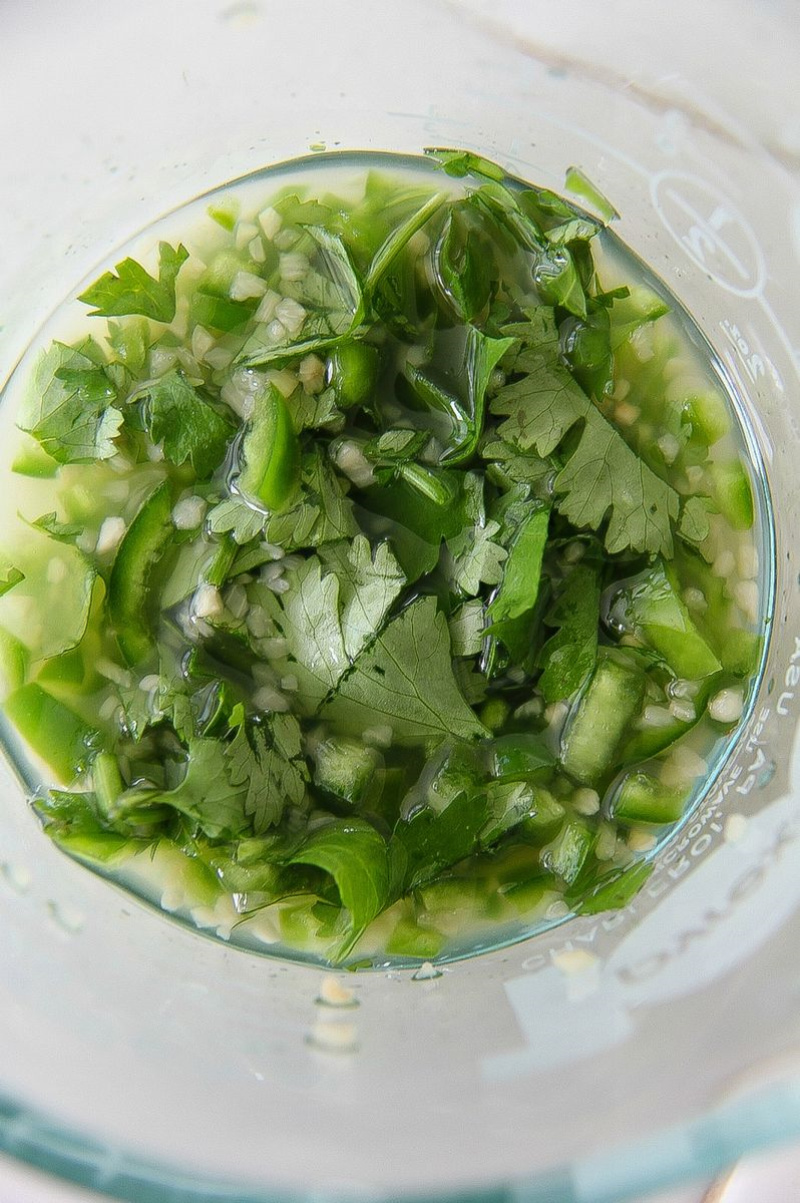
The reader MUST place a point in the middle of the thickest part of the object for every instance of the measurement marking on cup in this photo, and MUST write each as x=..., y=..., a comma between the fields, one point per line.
x=704, y=235
x=710, y=230
x=752, y=355
x=753, y=415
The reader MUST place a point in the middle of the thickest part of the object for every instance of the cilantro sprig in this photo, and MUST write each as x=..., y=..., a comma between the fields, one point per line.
x=131, y=289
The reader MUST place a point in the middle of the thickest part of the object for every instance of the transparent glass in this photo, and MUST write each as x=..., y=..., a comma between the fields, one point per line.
x=153, y=1064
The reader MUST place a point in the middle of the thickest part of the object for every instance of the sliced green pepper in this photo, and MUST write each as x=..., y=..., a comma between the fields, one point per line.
x=521, y=758
x=655, y=610
x=59, y=736
x=354, y=370
x=147, y=539
x=270, y=453
x=13, y=662
x=643, y=799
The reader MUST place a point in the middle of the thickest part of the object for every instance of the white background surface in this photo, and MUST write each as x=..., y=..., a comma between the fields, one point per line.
x=691, y=42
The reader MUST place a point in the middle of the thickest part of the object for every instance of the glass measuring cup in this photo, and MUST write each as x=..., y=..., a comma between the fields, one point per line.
x=142, y=1058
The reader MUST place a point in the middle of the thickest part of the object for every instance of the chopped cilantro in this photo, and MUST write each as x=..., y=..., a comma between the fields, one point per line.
x=185, y=424
x=133, y=290
x=70, y=407
x=603, y=478
x=369, y=582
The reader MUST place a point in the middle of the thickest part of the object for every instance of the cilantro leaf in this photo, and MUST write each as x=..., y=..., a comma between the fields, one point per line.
x=332, y=296
x=405, y=678
x=69, y=407
x=207, y=792
x=519, y=586
x=398, y=240
x=9, y=577
x=396, y=446
x=461, y=395
x=356, y=857
x=189, y=428
x=509, y=466
x=569, y=655
x=130, y=342
x=310, y=411
x=258, y=761
x=311, y=623
x=429, y=842
x=333, y=610
x=64, y=532
x=466, y=628
x=369, y=581
x=579, y=184
x=558, y=280
x=603, y=477
x=464, y=262
x=235, y=516
x=133, y=290
x=693, y=525
x=459, y=163
x=166, y=701
x=543, y=224
x=477, y=558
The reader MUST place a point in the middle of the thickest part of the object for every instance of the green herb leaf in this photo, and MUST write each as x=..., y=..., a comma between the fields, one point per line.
x=332, y=611
x=236, y=517
x=558, y=280
x=481, y=356
x=405, y=679
x=64, y=532
x=311, y=623
x=477, y=558
x=261, y=760
x=693, y=526
x=69, y=407
x=314, y=411
x=9, y=577
x=355, y=856
x=464, y=261
x=426, y=844
x=509, y=466
x=459, y=163
x=207, y=793
x=466, y=628
x=603, y=477
x=398, y=240
x=369, y=583
x=578, y=183
x=519, y=586
x=130, y=342
x=569, y=656
x=187, y=426
x=133, y=290
x=395, y=446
